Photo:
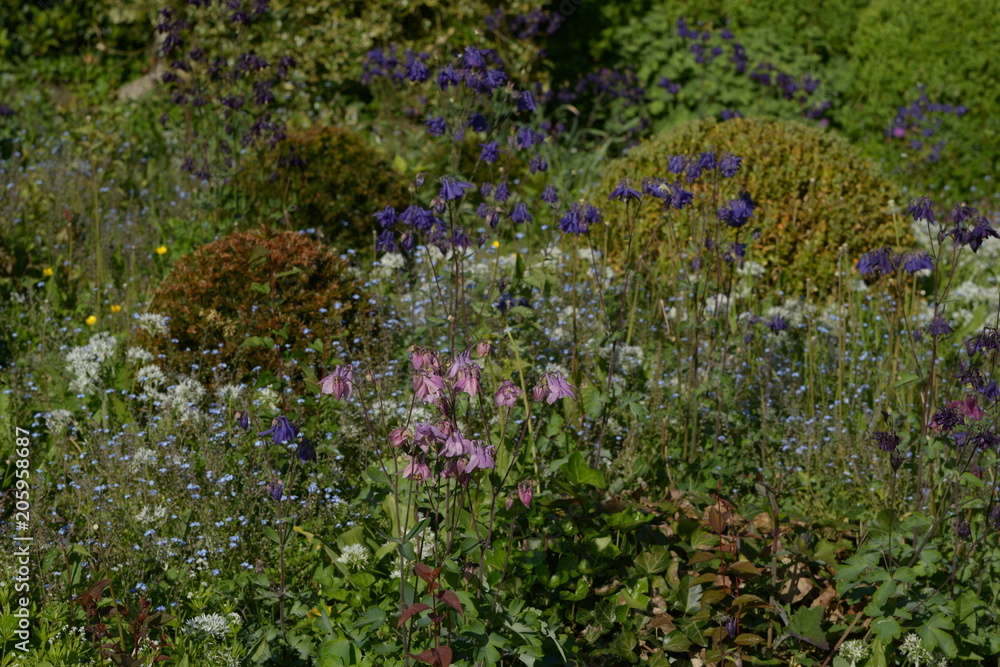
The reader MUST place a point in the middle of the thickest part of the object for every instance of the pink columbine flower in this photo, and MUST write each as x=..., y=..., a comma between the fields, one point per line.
x=400, y=437
x=526, y=493
x=427, y=436
x=552, y=386
x=456, y=445
x=340, y=382
x=507, y=394
x=465, y=373
x=428, y=386
x=417, y=469
x=421, y=357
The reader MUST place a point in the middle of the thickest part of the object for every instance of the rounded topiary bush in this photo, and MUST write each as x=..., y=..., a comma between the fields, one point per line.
x=230, y=295
x=339, y=184
x=814, y=194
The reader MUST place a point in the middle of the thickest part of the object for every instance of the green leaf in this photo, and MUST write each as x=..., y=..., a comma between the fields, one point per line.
x=886, y=629
x=372, y=616
x=905, y=379
x=968, y=479
x=676, y=642
x=260, y=287
x=805, y=625
x=936, y=632
x=593, y=400
x=272, y=535
x=363, y=580
x=578, y=472
x=654, y=561
x=258, y=341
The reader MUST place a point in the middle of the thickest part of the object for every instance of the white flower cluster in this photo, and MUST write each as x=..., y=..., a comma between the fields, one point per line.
x=57, y=420
x=85, y=363
x=138, y=355
x=389, y=265
x=913, y=649
x=144, y=456
x=151, y=514
x=214, y=625
x=854, y=650
x=628, y=358
x=151, y=378
x=183, y=399
x=152, y=323
x=355, y=555
x=229, y=393
x=267, y=398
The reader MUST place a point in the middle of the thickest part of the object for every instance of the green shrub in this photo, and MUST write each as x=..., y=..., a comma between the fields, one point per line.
x=814, y=193
x=949, y=47
x=342, y=184
x=231, y=294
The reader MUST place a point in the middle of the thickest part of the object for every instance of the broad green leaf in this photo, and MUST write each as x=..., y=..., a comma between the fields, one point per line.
x=260, y=287
x=805, y=625
x=654, y=561
x=886, y=629
x=578, y=472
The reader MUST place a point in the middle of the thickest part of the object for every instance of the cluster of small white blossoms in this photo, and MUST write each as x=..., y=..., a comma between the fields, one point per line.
x=85, y=362
x=57, y=420
x=70, y=632
x=214, y=625
x=152, y=322
x=183, y=397
x=138, y=355
x=854, y=650
x=151, y=514
x=913, y=649
x=355, y=555
x=628, y=358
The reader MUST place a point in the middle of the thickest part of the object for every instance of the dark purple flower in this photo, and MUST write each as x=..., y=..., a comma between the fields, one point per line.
x=887, y=441
x=729, y=165
x=917, y=261
x=502, y=193
x=625, y=192
x=525, y=138
x=386, y=217
x=436, y=126
x=452, y=188
x=777, y=323
x=990, y=390
x=680, y=197
x=274, y=489
x=490, y=152
x=877, y=260
x=980, y=232
x=550, y=196
x=939, y=327
x=706, y=161
x=572, y=222
x=947, y=419
x=306, y=452
x=676, y=164
x=737, y=212
x=447, y=77
x=986, y=440
x=281, y=431
x=385, y=241
x=671, y=87
x=538, y=164
x=494, y=78
x=242, y=419
x=478, y=123
x=730, y=114
x=895, y=460
x=526, y=102
x=417, y=71
x=520, y=213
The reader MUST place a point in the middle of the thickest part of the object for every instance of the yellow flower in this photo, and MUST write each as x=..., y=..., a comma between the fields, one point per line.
x=91, y=321
x=496, y=244
x=116, y=309
x=47, y=271
x=162, y=250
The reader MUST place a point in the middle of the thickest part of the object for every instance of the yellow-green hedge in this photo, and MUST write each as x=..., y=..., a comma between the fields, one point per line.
x=814, y=193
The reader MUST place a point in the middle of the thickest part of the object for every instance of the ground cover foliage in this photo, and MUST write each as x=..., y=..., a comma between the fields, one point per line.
x=376, y=334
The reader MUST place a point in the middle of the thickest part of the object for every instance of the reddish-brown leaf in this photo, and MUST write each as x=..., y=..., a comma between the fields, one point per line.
x=449, y=598
x=410, y=611
x=426, y=573
x=436, y=657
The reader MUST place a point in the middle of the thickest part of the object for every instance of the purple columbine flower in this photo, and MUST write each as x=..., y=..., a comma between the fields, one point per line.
x=676, y=164
x=572, y=222
x=243, y=419
x=706, y=161
x=386, y=217
x=670, y=86
x=456, y=445
x=281, y=431
x=274, y=489
x=947, y=419
x=538, y=164
x=551, y=387
x=917, y=261
x=417, y=71
x=306, y=452
x=507, y=394
x=481, y=457
x=777, y=323
x=990, y=390
x=400, y=436
x=478, y=123
x=447, y=77
x=887, y=441
x=520, y=213
x=550, y=196
x=729, y=165
x=625, y=192
x=737, y=212
x=339, y=383
x=526, y=102
x=525, y=137
x=385, y=241
x=436, y=126
x=465, y=373
x=502, y=193
x=877, y=260
x=939, y=327
x=490, y=152
x=452, y=188
x=428, y=436
x=422, y=358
